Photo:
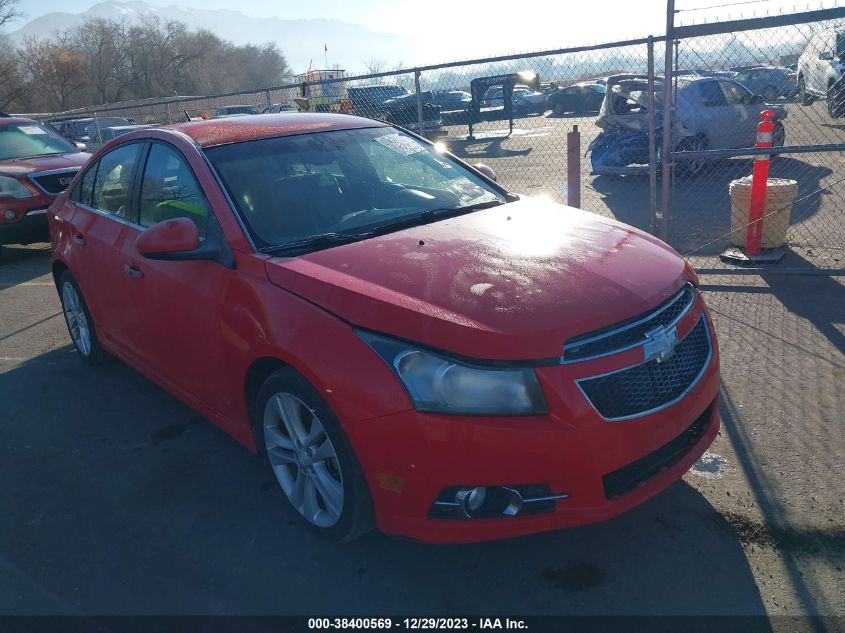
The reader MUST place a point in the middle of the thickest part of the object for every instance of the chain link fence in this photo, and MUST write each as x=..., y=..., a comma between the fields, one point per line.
x=586, y=125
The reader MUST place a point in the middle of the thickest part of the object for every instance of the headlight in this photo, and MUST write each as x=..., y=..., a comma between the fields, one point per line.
x=441, y=385
x=14, y=188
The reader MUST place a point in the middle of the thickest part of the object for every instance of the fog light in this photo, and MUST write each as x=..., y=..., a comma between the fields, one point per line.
x=489, y=501
x=471, y=499
x=9, y=214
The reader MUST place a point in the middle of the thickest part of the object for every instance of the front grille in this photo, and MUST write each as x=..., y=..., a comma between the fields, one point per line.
x=629, y=477
x=652, y=385
x=629, y=333
x=55, y=182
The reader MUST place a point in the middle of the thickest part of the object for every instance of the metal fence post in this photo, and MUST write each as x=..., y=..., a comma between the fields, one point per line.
x=420, y=130
x=652, y=140
x=169, y=115
x=573, y=168
x=269, y=100
x=97, y=126
x=666, y=151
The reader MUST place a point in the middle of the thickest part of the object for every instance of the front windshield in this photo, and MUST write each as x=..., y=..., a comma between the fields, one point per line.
x=25, y=140
x=293, y=188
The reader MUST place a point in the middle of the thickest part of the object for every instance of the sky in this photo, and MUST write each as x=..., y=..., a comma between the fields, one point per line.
x=443, y=30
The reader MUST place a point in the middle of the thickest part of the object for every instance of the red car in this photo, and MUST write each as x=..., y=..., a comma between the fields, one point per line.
x=409, y=345
x=36, y=164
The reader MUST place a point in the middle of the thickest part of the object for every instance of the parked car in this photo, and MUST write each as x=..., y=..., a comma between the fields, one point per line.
x=36, y=164
x=770, y=82
x=710, y=113
x=86, y=130
x=585, y=97
x=362, y=327
x=525, y=101
x=820, y=71
x=403, y=111
x=281, y=107
x=451, y=100
x=235, y=110
x=367, y=101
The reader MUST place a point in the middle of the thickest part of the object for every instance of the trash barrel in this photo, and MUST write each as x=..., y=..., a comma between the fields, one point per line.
x=780, y=194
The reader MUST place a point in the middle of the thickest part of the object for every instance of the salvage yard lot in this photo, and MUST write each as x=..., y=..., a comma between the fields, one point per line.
x=533, y=161
x=125, y=501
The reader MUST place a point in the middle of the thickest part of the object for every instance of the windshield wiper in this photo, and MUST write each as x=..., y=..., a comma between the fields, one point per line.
x=315, y=243
x=426, y=217
x=327, y=240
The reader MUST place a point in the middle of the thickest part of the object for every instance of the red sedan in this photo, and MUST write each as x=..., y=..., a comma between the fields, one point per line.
x=407, y=344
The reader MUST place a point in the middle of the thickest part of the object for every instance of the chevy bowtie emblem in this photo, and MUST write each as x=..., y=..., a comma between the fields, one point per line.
x=660, y=343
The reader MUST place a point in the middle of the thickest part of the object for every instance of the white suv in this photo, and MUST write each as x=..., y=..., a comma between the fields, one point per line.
x=820, y=71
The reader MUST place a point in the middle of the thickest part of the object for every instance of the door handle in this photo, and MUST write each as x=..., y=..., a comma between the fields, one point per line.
x=133, y=272
x=79, y=239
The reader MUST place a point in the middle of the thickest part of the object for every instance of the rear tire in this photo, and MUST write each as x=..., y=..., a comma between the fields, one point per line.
x=80, y=323
x=306, y=449
x=769, y=94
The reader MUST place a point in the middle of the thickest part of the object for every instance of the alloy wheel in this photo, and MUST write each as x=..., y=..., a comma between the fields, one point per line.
x=303, y=459
x=77, y=320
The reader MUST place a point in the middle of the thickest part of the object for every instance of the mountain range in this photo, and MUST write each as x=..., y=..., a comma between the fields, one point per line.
x=301, y=41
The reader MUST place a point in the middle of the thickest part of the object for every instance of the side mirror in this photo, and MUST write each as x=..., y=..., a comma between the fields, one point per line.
x=171, y=239
x=80, y=146
x=486, y=170
x=826, y=56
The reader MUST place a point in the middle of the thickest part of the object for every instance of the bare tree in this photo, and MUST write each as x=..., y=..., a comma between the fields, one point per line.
x=54, y=72
x=9, y=11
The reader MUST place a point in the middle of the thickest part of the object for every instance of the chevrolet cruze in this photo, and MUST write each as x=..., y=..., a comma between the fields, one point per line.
x=406, y=343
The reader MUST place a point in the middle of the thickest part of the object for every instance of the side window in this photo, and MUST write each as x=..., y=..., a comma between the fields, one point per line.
x=735, y=94
x=711, y=94
x=170, y=190
x=82, y=192
x=112, y=191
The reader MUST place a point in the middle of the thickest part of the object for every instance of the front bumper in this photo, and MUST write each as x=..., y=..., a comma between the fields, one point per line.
x=29, y=225
x=410, y=458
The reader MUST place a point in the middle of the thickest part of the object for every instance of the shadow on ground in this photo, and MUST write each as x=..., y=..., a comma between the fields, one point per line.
x=23, y=263
x=127, y=502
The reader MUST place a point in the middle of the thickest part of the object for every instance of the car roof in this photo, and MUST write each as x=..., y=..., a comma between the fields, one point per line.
x=15, y=120
x=215, y=132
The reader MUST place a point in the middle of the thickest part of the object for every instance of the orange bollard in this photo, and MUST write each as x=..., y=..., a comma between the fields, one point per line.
x=759, y=179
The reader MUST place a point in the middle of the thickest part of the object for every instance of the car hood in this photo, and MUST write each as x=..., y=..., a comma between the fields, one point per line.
x=20, y=166
x=507, y=283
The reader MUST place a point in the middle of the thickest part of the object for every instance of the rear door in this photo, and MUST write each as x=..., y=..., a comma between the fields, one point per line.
x=99, y=227
x=178, y=333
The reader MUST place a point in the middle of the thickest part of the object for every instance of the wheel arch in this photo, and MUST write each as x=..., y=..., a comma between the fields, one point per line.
x=256, y=374
x=59, y=268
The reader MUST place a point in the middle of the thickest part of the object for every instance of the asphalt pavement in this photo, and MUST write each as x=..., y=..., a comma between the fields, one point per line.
x=118, y=499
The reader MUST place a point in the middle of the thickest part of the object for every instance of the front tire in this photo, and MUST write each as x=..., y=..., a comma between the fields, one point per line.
x=80, y=323
x=806, y=98
x=311, y=459
x=836, y=99
x=688, y=168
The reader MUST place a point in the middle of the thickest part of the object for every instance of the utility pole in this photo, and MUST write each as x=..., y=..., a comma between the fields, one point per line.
x=666, y=151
